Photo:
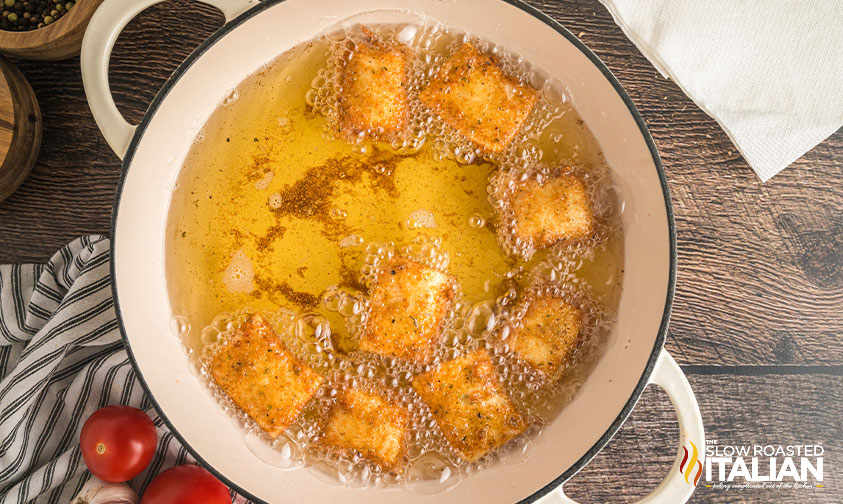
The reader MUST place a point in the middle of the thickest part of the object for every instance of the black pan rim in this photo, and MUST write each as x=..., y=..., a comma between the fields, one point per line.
x=645, y=133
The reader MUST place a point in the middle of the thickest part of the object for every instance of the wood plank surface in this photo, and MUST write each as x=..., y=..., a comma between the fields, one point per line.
x=743, y=410
x=760, y=265
x=71, y=189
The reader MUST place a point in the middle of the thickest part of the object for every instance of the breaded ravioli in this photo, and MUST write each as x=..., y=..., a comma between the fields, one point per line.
x=263, y=377
x=549, y=332
x=407, y=308
x=469, y=405
x=473, y=95
x=374, y=91
x=547, y=210
x=369, y=424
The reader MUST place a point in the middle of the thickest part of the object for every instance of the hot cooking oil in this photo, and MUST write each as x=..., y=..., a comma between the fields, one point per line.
x=272, y=212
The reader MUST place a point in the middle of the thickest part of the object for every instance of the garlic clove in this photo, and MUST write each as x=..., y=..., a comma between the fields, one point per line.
x=97, y=491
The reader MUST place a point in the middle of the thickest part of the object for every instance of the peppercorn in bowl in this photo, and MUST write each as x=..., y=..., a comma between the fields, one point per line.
x=44, y=29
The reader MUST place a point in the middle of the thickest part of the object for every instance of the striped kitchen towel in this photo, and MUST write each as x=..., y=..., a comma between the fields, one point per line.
x=62, y=358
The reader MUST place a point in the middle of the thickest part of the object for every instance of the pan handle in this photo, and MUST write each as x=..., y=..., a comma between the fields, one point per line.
x=680, y=482
x=105, y=26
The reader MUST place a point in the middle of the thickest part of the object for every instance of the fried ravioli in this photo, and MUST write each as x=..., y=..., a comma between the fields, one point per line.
x=548, y=334
x=263, y=377
x=374, y=91
x=407, y=308
x=473, y=95
x=549, y=210
x=469, y=405
x=368, y=424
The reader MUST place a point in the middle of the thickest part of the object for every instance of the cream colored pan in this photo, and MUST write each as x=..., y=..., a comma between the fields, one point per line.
x=254, y=34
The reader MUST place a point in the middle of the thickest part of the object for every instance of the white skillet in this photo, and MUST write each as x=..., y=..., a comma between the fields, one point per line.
x=254, y=34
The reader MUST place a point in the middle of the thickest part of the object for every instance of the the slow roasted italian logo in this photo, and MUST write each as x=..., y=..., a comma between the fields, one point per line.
x=691, y=466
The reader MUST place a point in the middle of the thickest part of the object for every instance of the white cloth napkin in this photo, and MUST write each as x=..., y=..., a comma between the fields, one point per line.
x=769, y=71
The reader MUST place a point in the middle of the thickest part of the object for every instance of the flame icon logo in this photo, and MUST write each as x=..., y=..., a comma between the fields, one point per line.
x=687, y=467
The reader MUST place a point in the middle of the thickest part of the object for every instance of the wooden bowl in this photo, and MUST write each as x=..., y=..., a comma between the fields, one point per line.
x=59, y=40
x=20, y=128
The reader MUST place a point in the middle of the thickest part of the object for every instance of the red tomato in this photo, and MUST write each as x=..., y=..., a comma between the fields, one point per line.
x=117, y=443
x=186, y=484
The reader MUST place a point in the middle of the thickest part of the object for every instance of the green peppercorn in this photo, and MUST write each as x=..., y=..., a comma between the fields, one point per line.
x=68, y=5
x=48, y=20
x=9, y=3
x=12, y=17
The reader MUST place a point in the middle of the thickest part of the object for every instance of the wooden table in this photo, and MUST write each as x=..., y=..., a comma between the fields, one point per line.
x=758, y=317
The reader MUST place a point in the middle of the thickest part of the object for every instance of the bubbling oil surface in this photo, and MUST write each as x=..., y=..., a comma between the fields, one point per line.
x=274, y=213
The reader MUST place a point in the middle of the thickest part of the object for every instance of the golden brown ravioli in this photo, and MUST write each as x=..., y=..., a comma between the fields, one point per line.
x=469, y=404
x=263, y=377
x=369, y=424
x=547, y=210
x=373, y=97
x=550, y=330
x=407, y=308
x=473, y=95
